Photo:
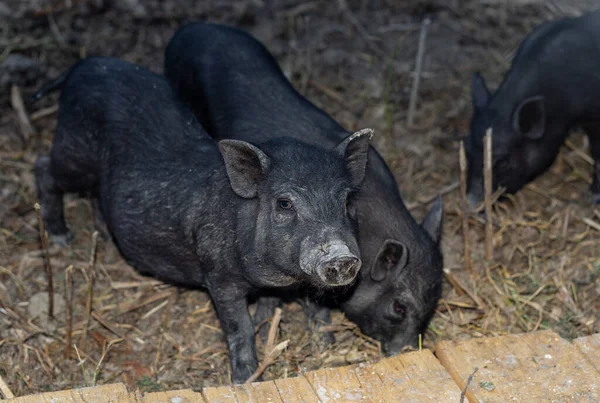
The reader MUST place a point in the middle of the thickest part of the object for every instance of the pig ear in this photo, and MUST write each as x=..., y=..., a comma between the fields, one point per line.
x=393, y=255
x=245, y=165
x=479, y=92
x=529, y=119
x=432, y=223
x=355, y=150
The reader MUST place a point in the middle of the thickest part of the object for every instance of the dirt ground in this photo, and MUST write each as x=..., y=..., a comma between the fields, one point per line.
x=355, y=60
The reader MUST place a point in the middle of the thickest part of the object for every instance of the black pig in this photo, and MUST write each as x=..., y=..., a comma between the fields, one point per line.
x=248, y=217
x=238, y=91
x=552, y=86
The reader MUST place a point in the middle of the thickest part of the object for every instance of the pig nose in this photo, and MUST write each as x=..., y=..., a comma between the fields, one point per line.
x=339, y=271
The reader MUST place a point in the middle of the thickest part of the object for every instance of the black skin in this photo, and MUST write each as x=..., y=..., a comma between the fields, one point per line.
x=231, y=217
x=551, y=87
x=238, y=91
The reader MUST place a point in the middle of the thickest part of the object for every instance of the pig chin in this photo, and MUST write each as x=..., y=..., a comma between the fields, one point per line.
x=329, y=264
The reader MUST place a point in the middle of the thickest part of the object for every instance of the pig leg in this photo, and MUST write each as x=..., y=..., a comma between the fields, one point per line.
x=69, y=169
x=265, y=308
x=51, y=202
x=231, y=305
x=318, y=315
x=593, y=133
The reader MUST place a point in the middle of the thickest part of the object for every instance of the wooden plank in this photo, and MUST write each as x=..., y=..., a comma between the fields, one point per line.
x=174, y=396
x=114, y=393
x=257, y=392
x=371, y=381
x=337, y=384
x=63, y=396
x=530, y=367
x=590, y=347
x=296, y=390
x=412, y=377
x=221, y=394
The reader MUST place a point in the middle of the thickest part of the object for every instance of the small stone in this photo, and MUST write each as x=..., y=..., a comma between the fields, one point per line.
x=489, y=386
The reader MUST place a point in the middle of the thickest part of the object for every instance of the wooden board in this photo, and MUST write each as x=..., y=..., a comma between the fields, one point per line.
x=534, y=367
x=257, y=392
x=296, y=390
x=222, y=394
x=114, y=393
x=337, y=385
x=411, y=377
x=590, y=347
x=174, y=396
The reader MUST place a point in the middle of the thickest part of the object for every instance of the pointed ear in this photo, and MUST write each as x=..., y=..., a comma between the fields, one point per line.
x=432, y=223
x=529, y=118
x=245, y=165
x=393, y=255
x=479, y=92
x=355, y=150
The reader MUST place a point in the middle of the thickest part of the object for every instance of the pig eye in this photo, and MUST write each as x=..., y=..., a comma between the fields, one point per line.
x=399, y=310
x=285, y=204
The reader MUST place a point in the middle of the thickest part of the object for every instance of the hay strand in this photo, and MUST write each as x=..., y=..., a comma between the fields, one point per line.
x=465, y=206
x=48, y=266
x=90, y=289
x=487, y=183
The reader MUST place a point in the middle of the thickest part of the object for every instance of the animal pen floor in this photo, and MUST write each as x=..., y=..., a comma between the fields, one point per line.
x=355, y=60
x=531, y=367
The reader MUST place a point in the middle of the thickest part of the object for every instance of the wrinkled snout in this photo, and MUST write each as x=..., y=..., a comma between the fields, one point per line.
x=339, y=270
x=332, y=263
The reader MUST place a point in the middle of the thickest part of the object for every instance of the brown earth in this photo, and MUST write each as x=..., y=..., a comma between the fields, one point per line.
x=352, y=58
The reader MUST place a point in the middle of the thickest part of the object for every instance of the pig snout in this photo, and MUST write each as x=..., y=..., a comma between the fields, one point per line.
x=333, y=263
x=395, y=346
x=339, y=270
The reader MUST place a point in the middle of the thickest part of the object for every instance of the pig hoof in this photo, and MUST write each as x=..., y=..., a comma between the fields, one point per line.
x=62, y=240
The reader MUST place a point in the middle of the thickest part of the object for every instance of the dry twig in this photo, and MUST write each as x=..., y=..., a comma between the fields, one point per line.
x=273, y=330
x=16, y=101
x=47, y=261
x=591, y=223
x=465, y=206
x=269, y=359
x=42, y=113
x=414, y=92
x=69, y=309
x=271, y=352
x=487, y=183
x=464, y=391
x=461, y=288
x=426, y=200
x=90, y=290
x=5, y=390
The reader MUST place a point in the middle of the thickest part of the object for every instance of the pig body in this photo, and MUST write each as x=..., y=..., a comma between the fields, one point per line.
x=238, y=91
x=232, y=217
x=551, y=87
